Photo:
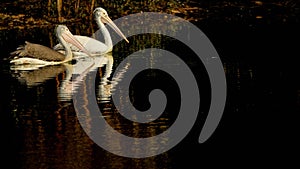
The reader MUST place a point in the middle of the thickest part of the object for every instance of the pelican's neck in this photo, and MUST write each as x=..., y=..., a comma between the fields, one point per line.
x=105, y=33
x=68, y=51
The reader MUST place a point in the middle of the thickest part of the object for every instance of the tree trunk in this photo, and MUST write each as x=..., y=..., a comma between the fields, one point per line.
x=92, y=9
x=59, y=7
x=49, y=7
x=77, y=7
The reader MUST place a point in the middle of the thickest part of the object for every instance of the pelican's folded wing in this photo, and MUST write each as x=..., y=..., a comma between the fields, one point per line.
x=92, y=45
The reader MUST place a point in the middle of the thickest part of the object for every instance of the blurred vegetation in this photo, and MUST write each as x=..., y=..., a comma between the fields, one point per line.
x=35, y=12
x=24, y=13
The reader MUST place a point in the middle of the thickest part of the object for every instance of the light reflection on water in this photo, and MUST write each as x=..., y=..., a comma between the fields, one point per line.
x=48, y=126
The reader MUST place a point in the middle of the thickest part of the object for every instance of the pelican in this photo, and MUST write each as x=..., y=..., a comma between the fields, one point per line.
x=32, y=53
x=94, y=46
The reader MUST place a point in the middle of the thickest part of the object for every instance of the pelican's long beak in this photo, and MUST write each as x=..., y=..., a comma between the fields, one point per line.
x=68, y=36
x=107, y=20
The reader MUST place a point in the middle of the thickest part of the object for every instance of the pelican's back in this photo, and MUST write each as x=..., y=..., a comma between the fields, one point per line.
x=37, y=51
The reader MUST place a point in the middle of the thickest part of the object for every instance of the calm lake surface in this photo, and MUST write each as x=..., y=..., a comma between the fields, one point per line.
x=40, y=127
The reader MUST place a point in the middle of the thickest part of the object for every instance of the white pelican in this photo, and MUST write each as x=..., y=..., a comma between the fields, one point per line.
x=94, y=46
x=32, y=53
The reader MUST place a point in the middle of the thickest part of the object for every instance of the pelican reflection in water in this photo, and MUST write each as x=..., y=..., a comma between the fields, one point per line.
x=76, y=74
x=33, y=75
x=32, y=53
x=94, y=46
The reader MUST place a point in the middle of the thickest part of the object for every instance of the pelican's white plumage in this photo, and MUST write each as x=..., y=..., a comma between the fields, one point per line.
x=94, y=46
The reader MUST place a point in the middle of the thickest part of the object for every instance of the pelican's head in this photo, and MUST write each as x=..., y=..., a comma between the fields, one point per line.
x=100, y=12
x=64, y=34
x=102, y=17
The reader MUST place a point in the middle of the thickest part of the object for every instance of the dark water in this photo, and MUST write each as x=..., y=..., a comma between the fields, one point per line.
x=40, y=128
